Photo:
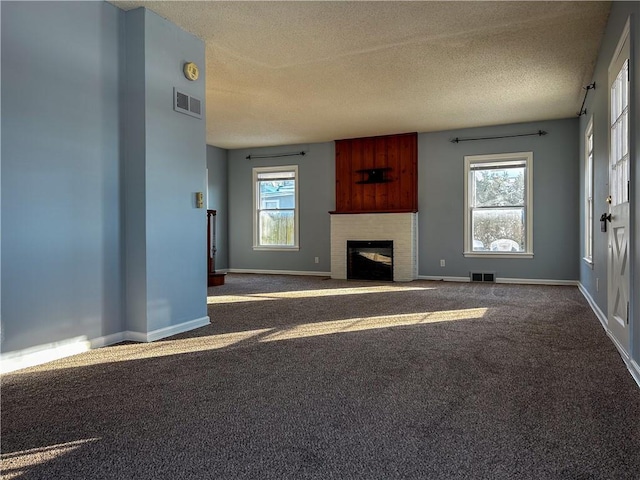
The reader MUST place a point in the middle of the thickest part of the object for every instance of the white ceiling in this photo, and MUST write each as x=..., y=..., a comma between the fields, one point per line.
x=300, y=72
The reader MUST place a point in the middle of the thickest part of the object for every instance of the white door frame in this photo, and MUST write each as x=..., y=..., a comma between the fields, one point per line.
x=619, y=231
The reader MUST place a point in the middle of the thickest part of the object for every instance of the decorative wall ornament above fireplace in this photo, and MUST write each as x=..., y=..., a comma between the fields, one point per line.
x=375, y=175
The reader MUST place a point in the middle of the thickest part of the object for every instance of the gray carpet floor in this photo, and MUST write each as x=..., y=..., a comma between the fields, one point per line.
x=313, y=378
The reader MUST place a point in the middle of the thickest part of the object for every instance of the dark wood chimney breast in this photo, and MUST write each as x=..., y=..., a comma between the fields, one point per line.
x=377, y=174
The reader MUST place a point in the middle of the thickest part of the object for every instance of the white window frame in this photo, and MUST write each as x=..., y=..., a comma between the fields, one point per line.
x=256, y=209
x=619, y=147
x=588, y=193
x=469, y=161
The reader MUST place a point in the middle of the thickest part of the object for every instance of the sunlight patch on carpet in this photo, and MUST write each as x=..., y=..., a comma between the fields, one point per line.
x=134, y=352
x=163, y=348
x=325, y=292
x=214, y=300
x=17, y=464
x=370, y=323
x=189, y=345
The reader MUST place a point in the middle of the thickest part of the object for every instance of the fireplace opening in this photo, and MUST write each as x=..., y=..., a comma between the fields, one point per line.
x=370, y=260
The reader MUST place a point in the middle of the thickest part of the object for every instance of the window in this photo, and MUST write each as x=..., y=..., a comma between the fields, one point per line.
x=588, y=193
x=498, y=205
x=619, y=138
x=275, y=196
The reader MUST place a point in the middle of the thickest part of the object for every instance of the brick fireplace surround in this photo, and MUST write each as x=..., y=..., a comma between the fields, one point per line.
x=401, y=228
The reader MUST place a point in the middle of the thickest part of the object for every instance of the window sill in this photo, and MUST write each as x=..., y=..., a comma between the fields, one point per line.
x=277, y=248
x=589, y=262
x=497, y=255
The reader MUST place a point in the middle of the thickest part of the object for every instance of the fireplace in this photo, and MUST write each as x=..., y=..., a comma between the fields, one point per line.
x=377, y=201
x=399, y=228
x=370, y=260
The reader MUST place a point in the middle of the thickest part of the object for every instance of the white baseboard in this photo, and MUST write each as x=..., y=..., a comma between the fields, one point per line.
x=30, y=357
x=130, y=336
x=536, y=281
x=632, y=365
x=443, y=279
x=594, y=306
x=634, y=368
x=518, y=281
x=108, y=340
x=176, y=329
x=279, y=272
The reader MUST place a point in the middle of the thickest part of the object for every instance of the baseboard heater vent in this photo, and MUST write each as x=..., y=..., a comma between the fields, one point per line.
x=187, y=104
x=483, y=277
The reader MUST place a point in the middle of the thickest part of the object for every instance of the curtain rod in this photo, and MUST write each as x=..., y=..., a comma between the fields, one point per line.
x=275, y=155
x=591, y=86
x=539, y=133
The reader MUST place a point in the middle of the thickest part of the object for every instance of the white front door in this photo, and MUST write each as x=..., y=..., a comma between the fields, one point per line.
x=618, y=263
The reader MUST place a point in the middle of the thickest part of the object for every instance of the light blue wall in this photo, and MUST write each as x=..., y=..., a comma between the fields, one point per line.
x=85, y=139
x=555, y=200
x=101, y=234
x=217, y=200
x=174, y=166
x=134, y=213
x=597, y=107
x=61, y=242
x=176, y=170
x=440, y=180
x=316, y=171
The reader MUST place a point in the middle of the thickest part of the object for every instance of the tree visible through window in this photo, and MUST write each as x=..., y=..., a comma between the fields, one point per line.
x=498, y=204
x=276, y=206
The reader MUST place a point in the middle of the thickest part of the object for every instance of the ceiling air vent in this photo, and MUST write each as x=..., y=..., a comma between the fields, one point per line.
x=187, y=104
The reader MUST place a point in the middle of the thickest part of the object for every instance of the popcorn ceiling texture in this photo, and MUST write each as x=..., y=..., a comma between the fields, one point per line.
x=298, y=72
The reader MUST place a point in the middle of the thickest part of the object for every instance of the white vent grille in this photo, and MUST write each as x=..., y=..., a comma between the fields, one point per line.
x=194, y=106
x=187, y=104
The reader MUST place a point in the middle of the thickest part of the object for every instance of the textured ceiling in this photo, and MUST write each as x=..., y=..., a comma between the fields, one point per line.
x=299, y=72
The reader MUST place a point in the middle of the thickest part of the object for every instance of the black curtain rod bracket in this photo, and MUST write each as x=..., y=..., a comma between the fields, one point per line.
x=539, y=133
x=591, y=86
x=276, y=155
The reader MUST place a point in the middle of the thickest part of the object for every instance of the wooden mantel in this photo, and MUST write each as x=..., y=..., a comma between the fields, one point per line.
x=348, y=212
x=377, y=174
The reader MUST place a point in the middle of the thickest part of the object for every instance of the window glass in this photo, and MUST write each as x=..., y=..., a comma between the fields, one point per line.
x=276, y=206
x=498, y=199
x=619, y=152
x=588, y=193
